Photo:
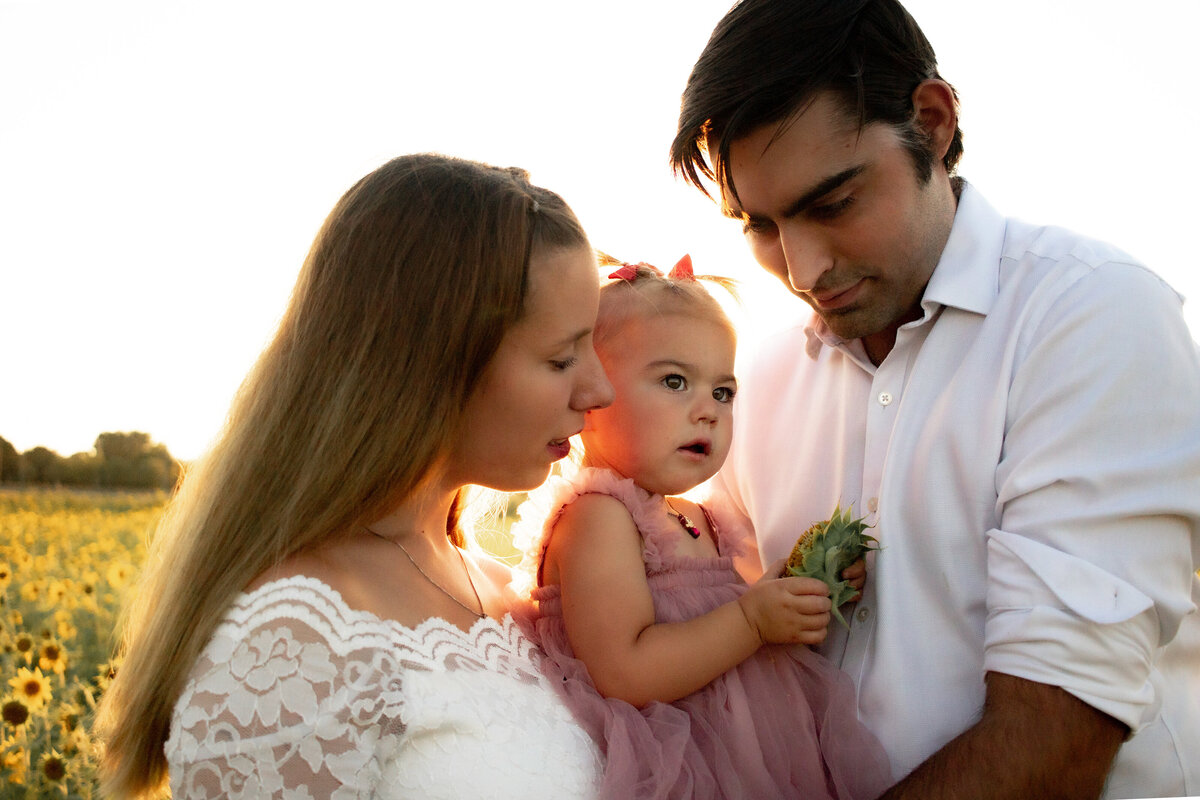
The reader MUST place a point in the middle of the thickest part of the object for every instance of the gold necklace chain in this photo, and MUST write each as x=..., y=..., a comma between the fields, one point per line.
x=480, y=613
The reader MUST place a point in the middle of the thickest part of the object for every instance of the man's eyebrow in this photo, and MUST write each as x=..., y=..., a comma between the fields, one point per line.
x=808, y=199
x=823, y=188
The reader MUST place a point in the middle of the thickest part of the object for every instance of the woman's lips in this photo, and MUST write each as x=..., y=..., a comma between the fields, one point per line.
x=559, y=448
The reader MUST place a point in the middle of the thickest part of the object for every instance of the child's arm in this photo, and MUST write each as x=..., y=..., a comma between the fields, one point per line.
x=595, y=555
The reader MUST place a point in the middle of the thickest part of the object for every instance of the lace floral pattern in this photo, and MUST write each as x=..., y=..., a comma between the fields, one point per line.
x=299, y=696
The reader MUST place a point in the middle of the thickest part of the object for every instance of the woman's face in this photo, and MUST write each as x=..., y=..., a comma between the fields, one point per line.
x=543, y=379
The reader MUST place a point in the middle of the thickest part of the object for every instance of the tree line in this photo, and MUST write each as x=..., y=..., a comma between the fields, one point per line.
x=129, y=460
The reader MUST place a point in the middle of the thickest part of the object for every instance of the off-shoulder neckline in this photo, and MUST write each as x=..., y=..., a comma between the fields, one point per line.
x=345, y=609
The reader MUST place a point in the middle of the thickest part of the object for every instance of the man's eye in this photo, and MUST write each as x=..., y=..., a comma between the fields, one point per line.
x=756, y=227
x=831, y=210
x=564, y=364
x=676, y=383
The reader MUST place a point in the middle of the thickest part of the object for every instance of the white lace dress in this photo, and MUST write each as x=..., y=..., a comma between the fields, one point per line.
x=300, y=696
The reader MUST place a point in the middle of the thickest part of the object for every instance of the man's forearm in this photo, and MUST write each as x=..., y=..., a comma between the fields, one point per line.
x=1033, y=740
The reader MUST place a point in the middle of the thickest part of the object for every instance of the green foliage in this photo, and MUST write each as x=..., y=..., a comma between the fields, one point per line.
x=10, y=462
x=827, y=548
x=120, y=461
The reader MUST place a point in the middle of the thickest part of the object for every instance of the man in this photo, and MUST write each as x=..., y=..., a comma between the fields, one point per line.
x=1014, y=409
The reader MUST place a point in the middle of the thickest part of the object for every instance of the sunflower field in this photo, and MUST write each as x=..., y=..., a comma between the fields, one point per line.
x=66, y=560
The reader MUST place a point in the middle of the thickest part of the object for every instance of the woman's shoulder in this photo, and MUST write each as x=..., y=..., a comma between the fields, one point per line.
x=299, y=608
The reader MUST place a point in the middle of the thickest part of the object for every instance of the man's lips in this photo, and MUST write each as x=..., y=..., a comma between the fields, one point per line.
x=831, y=300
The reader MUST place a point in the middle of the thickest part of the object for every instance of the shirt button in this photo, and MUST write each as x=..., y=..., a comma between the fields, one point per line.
x=885, y=398
x=863, y=613
x=873, y=504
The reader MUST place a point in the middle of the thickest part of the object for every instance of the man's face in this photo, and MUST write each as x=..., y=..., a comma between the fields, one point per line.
x=839, y=215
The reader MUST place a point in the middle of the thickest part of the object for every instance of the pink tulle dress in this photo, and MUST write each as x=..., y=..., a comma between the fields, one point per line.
x=780, y=724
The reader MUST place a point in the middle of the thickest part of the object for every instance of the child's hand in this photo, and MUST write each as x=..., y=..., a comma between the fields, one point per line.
x=856, y=574
x=787, y=610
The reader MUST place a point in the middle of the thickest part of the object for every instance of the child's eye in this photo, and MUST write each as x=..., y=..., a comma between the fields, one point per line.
x=564, y=364
x=676, y=383
x=724, y=394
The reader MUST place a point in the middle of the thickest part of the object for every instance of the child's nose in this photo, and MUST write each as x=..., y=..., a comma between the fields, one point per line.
x=706, y=410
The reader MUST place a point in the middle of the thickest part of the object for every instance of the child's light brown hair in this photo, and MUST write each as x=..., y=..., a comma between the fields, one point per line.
x=643, y=290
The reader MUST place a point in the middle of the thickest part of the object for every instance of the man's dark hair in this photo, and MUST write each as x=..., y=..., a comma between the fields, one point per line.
x=768, y=59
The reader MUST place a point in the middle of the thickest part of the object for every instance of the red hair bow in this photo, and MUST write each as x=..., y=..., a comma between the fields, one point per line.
x=682, y=271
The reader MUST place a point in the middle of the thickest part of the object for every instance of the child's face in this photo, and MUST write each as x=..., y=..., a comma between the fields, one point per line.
x=670, y=425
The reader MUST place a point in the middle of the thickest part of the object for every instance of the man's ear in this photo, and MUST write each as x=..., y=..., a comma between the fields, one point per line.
x=936, y=114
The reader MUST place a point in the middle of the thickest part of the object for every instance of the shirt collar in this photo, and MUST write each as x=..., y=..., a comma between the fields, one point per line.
x=966, y=276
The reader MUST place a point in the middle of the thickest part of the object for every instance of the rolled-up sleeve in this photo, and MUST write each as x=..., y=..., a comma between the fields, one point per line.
x=1057, y=619
x=1090, y=569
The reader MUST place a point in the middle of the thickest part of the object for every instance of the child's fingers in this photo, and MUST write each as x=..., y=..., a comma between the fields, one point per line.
x=806, y=586
x=775, y=569
x=812, y=628
x=815, y=636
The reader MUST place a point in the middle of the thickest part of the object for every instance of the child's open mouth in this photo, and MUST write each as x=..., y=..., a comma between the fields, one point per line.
x=700, y=448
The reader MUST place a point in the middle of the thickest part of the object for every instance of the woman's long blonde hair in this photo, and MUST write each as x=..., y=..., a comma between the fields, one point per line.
x=409, y=287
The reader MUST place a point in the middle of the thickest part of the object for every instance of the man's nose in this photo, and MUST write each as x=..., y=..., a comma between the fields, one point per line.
x=807, y=255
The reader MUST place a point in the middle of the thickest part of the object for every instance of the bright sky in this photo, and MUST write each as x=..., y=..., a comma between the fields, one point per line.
x=165, y=165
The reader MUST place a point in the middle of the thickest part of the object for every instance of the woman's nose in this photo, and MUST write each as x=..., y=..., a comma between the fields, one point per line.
x=593, y=389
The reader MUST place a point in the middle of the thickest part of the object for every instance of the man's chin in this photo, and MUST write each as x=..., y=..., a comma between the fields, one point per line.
x=845, y=324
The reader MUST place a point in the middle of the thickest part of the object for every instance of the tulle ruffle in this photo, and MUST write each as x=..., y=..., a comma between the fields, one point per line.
x=780, y=724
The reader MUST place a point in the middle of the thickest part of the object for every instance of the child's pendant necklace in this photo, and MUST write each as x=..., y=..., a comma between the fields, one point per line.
x=692, y=530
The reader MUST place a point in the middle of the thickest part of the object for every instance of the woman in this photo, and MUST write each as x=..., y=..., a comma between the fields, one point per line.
x=308, y=624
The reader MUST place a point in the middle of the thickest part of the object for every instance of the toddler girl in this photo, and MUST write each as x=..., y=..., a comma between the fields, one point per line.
x=690, y=680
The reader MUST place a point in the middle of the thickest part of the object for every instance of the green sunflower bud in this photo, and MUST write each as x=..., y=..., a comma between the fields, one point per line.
x=827, y=548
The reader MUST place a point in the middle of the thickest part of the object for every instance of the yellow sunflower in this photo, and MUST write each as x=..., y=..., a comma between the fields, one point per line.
x=52, y=657
x=57, y=593
x=53, y=767
x=106, y=673
x=66, y=628
x=69, y=715
x=14, y=763
x=119, y=573
x=77, y=742
x=32, y=688
x=15, y=713
x=5, y=575
x=26, y=646
x=32, y=591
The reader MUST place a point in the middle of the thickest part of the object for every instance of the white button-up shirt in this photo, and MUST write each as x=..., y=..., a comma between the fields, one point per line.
x=1029, y=457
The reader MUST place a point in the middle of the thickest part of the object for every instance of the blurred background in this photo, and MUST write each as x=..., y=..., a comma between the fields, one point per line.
x=165, y=165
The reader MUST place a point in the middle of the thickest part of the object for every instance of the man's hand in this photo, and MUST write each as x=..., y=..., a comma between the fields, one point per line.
x=1033, y=741
x=856, y=574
